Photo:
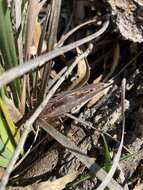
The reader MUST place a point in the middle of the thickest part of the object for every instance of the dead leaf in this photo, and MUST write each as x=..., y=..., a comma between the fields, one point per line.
x=59, y=183
x=36, y=38
x=83, y=72
x=33, y=11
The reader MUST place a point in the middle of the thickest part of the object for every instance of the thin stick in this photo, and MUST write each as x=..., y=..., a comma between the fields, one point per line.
x=28, y=151
x=66, y=36
x=87, y=124
x=56, y=78
x=33, y=118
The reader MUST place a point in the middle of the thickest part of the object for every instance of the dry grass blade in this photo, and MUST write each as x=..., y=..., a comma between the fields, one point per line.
x=52, y=38
x=31, y=120
x=43, y=34
x=56, y=78
x=116, y=59
x=66, y=36
x=84, y=123
x=23, y=96
x=109, y=176
x=83, y=72
x=33, y=11
x=19, y=71
x=18, y=23
x=87, y=161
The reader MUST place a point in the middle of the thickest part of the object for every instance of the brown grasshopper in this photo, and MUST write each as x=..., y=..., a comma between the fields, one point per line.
x=65, y=102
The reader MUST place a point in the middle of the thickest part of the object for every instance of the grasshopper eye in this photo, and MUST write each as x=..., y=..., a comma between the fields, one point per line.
x=8, y=3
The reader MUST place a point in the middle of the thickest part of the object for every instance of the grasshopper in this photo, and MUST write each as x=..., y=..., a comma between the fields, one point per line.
x=65, y=102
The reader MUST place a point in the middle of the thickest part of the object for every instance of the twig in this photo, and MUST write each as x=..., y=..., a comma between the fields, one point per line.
x=87, y=124
x=66, y=36
x=56, y=78
x=28, y=151
x=33, y=118
x=20, y=70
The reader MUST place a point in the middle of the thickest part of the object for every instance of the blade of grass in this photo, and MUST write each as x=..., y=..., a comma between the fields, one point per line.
x=7, y=46
x=18, y=21
x=3, y=162
x=81, y=179
x=4, y=151
x=108, y=161
x=4, y=134
x=9, y=134
x=2, y=90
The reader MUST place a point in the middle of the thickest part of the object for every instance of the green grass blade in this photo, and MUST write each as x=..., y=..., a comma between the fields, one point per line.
x=4, y=151
x=12, y=133
x=3, y=162
x=2, y=90
x=108, y=160
x=7, y=46
x=4, y=134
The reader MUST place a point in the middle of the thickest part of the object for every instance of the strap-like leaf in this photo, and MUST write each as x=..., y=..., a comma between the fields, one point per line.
x=9, y=134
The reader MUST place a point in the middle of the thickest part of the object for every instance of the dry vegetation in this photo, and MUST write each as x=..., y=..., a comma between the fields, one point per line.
x=71, y=94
